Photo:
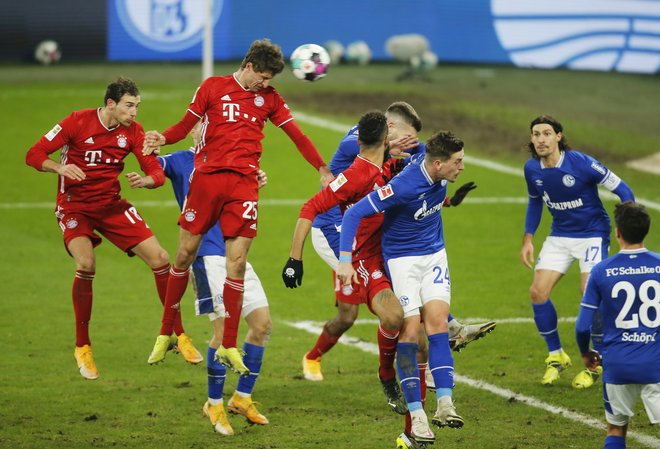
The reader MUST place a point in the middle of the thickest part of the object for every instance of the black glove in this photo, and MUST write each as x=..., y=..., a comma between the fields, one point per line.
x=292, y=273
x=393, y=168
x=461, y=193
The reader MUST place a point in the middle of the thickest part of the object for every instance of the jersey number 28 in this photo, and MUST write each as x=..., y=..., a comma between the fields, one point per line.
x=648, y=302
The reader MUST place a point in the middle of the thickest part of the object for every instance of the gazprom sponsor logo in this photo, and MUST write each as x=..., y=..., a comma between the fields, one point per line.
x=561, y=205
x=166, y=25
x=580, y=34
x=424, y=212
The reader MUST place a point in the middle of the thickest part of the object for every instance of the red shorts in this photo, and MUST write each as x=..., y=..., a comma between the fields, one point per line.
x=119, y=222
x=227, y=197
x=372, y=278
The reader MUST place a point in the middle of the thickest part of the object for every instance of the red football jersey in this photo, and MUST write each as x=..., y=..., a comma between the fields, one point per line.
x=349, y=187
x=99, y=152
x=233, y=124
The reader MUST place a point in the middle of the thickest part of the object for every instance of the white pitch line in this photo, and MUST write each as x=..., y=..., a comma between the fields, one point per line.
x=491, y=165
x=314, y=328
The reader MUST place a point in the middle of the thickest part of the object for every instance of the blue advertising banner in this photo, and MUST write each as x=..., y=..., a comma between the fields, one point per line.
x=621, y=35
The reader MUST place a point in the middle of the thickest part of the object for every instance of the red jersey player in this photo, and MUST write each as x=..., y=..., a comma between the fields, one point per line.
x=233, y=110
x=94, y=143
x=365, y=175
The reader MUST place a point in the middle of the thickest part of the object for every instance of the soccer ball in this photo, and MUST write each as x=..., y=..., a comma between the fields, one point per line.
x=310, y=62
x=47, y=52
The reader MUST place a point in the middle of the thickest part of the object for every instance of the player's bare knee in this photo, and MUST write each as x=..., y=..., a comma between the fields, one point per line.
x=86, y=264
x=538, y=295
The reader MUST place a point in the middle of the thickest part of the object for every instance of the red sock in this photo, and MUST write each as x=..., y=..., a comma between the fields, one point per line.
x=232, y=295
x=422, y=385
x=162, y=275
x=324, y=343
x=386, y=353
x=82, y=305
x=176, y=287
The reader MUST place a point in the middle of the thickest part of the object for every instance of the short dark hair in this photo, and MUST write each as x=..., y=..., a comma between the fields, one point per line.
x=403, y=111
x=556, y=126
x=119, y=88
x=632, y=220
x=442, y=144
x=372, y=128
x=265, y=57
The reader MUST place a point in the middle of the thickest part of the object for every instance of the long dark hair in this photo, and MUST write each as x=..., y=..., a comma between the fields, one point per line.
x=556, y=126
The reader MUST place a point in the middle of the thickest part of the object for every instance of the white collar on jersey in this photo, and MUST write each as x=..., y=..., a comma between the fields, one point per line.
x=561, y=159
x=367, y=160
x=633, y=251
x=426, y=173
x=238, y=82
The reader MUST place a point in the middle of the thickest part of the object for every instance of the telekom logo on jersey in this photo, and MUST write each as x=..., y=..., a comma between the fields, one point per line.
x=94, y=156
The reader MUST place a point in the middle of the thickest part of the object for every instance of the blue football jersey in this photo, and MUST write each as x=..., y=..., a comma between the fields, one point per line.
x=625, y=289
x=412, y=203
x=178, y=167
x=570, y=192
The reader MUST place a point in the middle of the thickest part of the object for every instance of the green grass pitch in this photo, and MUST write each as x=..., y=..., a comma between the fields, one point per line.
x=45, y=403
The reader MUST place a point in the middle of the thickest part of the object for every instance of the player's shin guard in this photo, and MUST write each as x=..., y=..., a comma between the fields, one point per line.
x=161, y=276
x=386, y=353
x=253, y=359
x=441, y=363
x=81, y=295
x=232, y=295
x=216, y=377
x=406, y=365
x=324, y=343
x=545, y=317
x=176, y=287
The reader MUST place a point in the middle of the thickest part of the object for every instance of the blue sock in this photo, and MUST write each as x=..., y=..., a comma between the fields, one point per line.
x=216, y=375
x=441, y=363
x=614, y=442
x=545, y=317
x=254, y=356
x=450, y=317
x=408, y=370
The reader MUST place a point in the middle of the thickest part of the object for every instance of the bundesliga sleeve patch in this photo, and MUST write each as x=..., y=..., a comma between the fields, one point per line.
x=53, y=132
x=338, y=182
x=385, y=192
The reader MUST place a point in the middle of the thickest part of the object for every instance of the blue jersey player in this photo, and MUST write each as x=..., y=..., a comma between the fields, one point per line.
x=403, y=125
x=209, y=273
x=566, y=181
x=418, y=268
x=625, y=289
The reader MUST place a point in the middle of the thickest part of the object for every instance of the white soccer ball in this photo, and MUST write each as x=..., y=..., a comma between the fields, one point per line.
x=47, y=52
x=310, y=62
x=358, y=52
